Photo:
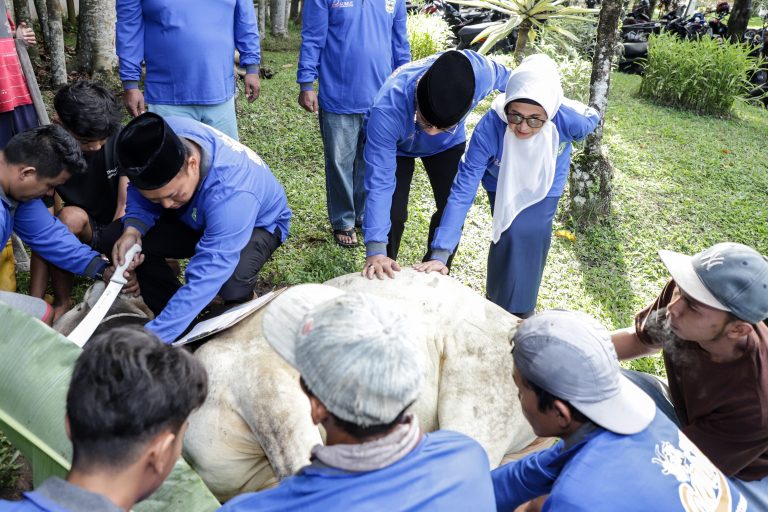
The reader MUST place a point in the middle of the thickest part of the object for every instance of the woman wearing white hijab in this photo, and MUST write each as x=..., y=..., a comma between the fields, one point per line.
x=521, y=151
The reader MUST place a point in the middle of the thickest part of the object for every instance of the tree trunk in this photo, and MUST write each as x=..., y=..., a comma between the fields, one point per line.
x=71, y=13
x=42, y=16
x=522, y=40
x=22, y=13
x=96, y=39
x=591, y=177
x=739, y=20
x=279, y=22
x=262, y=17
x=56, y=44
x=296, y=11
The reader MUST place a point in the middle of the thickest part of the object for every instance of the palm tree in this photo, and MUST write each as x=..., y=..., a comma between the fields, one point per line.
x=529, y=17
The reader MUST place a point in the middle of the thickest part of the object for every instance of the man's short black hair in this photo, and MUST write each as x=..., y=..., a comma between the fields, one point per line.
x=358, y=431
x=88, y=109
x=49, y=149
x=546, y=400
x=127, y=387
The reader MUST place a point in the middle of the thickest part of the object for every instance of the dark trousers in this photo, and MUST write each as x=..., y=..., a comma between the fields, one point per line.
x=171, y=238
x=441, y=170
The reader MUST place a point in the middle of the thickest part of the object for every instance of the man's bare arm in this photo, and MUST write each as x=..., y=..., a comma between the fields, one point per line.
x=629, y=346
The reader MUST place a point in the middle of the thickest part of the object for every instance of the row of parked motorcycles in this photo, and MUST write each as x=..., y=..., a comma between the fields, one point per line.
x=638, y=26
x=466, y=23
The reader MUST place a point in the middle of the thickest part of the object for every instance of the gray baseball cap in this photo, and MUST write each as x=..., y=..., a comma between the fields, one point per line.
x=727, y=276
x=570, y=355
x=357, y=353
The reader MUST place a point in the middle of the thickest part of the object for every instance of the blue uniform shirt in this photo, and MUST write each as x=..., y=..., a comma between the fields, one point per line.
x=236, y=194
x=47, y=236
x=445, y=471
x=573, y=120
x=656, y=469
x=392, y=132
x=354, y=45
x=188, y=47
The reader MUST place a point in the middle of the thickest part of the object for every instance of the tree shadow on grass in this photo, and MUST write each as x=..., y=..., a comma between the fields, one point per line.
x=603, y=268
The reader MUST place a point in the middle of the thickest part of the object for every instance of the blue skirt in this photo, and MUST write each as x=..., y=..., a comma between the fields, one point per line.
x=516, y=262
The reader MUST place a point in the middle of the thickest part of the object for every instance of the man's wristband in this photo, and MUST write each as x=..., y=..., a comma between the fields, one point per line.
x=99, y=275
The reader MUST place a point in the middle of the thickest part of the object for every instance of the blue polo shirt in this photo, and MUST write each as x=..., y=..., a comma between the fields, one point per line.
x=445, y=471
x=188, y=47
x=237, y=193
x=352, y=46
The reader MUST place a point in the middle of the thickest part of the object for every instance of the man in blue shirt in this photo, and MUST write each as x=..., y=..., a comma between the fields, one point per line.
x=188, y=48
x=418, y=113
x=617, y=451
x=32, y=165
x=360, y=368
x=215, y=201
x=353, y=46
x=127, y=409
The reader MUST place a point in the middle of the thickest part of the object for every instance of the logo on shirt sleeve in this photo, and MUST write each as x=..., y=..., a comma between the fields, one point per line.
x=389, y=5
x=703, y=488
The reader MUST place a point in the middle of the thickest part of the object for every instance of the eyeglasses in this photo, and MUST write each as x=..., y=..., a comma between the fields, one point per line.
x=533, y=122
x=422, y=123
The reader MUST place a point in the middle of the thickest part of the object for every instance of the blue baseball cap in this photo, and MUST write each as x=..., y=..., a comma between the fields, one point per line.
x=727, y=276
x=571, y=355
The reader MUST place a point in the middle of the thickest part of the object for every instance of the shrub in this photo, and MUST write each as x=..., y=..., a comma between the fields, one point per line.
x=585, y=32
x=9, y=465
x=427, y=35
x=704, y=76
x=574, y=71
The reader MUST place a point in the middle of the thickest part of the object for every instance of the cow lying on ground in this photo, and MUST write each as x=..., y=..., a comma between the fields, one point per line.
x=255, y=427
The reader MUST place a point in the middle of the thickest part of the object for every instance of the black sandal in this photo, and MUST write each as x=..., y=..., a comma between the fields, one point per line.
x=348, y=233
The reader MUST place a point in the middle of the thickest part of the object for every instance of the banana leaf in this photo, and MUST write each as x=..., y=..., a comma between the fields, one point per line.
x=35, y=368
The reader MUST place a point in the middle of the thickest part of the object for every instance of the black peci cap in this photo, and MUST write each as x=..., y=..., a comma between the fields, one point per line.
x=149, y=153
x=445, y=92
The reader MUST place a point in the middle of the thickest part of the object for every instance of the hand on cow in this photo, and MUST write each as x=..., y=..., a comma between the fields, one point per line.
x=133, y=99
x=26, y=34
x=252, y=86
x=127, y=240
x=380, y=266
x=432, y=266
x=308, y=101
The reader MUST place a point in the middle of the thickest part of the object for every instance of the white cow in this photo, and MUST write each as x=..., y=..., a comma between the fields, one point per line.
x=255, y=427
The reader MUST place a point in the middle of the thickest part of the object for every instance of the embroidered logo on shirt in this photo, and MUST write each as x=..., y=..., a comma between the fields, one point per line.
x=111, y=173
x=194, y=214
x=337, y=4
x=702, y=485
x=389, y=5
x=712, y=259
x=561, y=148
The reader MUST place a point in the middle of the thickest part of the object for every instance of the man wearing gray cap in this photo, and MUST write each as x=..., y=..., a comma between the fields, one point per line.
x=360, y=365
x=615, y=452
x=709, y=321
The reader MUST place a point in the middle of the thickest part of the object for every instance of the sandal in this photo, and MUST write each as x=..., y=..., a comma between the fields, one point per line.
x=350, y=233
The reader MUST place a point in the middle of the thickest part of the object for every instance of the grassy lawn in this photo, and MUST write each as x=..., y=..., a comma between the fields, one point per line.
x=682, y=182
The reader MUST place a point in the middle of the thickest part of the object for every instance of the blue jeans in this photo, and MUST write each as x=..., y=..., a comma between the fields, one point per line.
x=756, y=492
x=220, y=116
x=343, y=139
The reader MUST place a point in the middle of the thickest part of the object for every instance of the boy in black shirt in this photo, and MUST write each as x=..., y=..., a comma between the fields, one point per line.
x=93, y=200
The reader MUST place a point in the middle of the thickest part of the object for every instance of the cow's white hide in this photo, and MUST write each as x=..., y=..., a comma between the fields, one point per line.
x=255, y=426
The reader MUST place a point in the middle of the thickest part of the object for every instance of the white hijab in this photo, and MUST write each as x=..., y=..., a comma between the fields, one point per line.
x=527, y=167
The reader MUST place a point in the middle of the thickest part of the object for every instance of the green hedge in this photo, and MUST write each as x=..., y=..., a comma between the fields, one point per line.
x=427, y=35
x=704, y=76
